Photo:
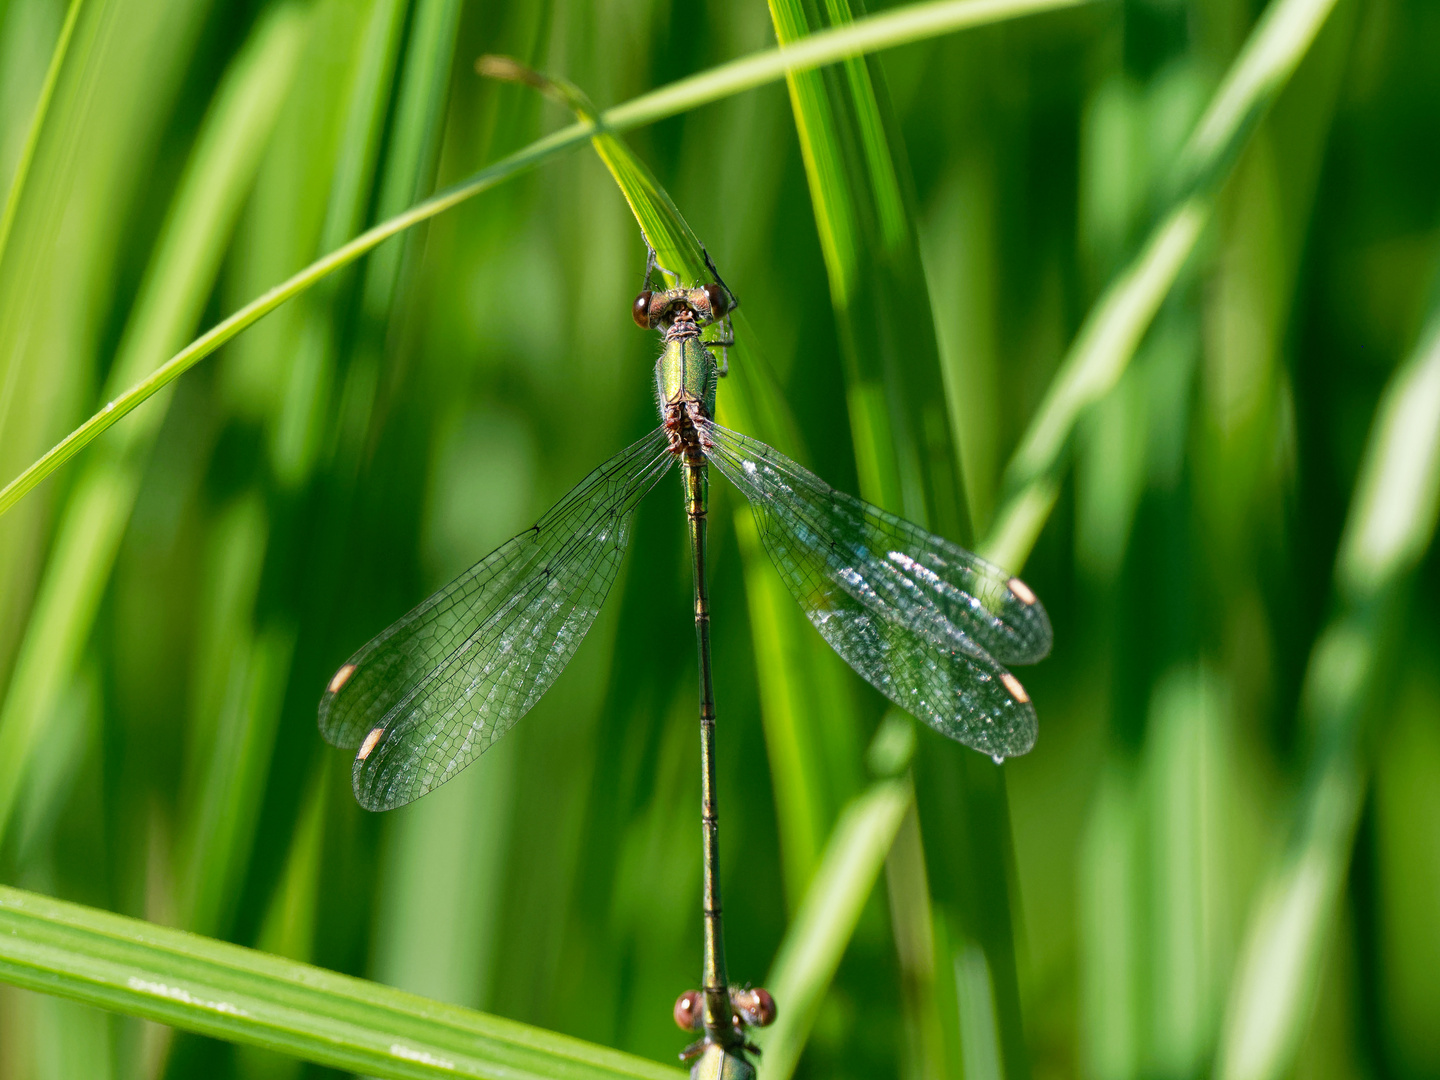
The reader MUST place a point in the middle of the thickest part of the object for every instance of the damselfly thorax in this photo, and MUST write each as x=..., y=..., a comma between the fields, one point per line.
x=687, y=373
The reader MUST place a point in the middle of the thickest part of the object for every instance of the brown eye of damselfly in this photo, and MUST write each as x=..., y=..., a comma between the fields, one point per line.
x=719, y=301
x=640, y=310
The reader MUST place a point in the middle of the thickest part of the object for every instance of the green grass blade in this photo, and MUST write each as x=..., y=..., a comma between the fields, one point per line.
x=898, y=27
x=262, y=305
x=822, y=928
x=364, y=123
x=1392, y=522
x=788, y=674
x=1390, y=526
x=37, y=123
x=1101, y=351
x=929, y=1037
x=436, y=918
x=894, y=386
x=245, y=996
x=287, y=369
x=907, y=462
x=415, y=137
x=1117, y=322
x=220, y=825
x=181, y=275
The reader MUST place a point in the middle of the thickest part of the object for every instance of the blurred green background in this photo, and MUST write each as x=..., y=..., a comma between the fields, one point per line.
x=173, y=602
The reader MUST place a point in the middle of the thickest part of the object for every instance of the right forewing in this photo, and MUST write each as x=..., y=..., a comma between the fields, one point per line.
x=924, y=621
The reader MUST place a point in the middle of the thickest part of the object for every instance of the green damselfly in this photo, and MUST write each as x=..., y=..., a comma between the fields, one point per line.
x=924, y=621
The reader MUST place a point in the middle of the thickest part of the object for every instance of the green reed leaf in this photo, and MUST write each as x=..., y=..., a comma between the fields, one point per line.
x=37, y=123
x=1391, y=524
x=821, y=931
x=913, y=23
x=1116, y=323
x=245, y=996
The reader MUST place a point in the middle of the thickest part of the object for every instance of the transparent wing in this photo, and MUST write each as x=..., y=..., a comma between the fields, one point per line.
x=435, y=690
x=926, y=622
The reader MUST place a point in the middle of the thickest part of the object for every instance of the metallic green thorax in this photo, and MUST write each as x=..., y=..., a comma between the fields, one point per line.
x=686, y=371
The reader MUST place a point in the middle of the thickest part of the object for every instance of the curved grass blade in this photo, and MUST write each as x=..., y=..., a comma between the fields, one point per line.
x=37, y=123
x=908, y=461
x=435, y=690
x=1390, y=527
x=904, y=450
x=229, y=992
x=820, y=933
x=181, y=274
x=898, y=27
x=1118, y=321
x=915, y=615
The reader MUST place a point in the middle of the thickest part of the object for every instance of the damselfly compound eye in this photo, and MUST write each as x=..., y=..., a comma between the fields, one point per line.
x=689, y=1011
x=640, y=310
x=719, y=301
x=755, y=1006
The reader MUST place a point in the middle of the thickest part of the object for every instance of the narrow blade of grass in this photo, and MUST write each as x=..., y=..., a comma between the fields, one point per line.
x=892, y=367
x=821, y=930
x=1390, y=527
x=181, y=275
x=1118, y=320
x=907, y=462
x=913, y=23
x=37, y=123
x=245, y=996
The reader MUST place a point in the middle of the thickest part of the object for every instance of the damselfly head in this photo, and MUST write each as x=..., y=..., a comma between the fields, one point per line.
x=704, y=305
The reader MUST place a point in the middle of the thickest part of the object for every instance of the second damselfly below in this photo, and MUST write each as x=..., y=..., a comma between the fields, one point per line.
x=925, y=622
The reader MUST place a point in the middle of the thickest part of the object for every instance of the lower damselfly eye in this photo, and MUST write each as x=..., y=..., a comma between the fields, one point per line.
x=689, y=1011
x=720, y=304
x=640, y=310
x=754, y=1006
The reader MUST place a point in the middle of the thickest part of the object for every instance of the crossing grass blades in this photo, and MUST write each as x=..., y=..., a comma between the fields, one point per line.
x=927, y=623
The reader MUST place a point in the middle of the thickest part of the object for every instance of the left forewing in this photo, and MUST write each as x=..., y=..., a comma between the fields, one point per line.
x=460, y=689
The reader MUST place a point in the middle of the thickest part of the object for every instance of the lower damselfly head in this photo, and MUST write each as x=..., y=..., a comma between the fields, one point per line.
x=655, y=310
x=750, y=1006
